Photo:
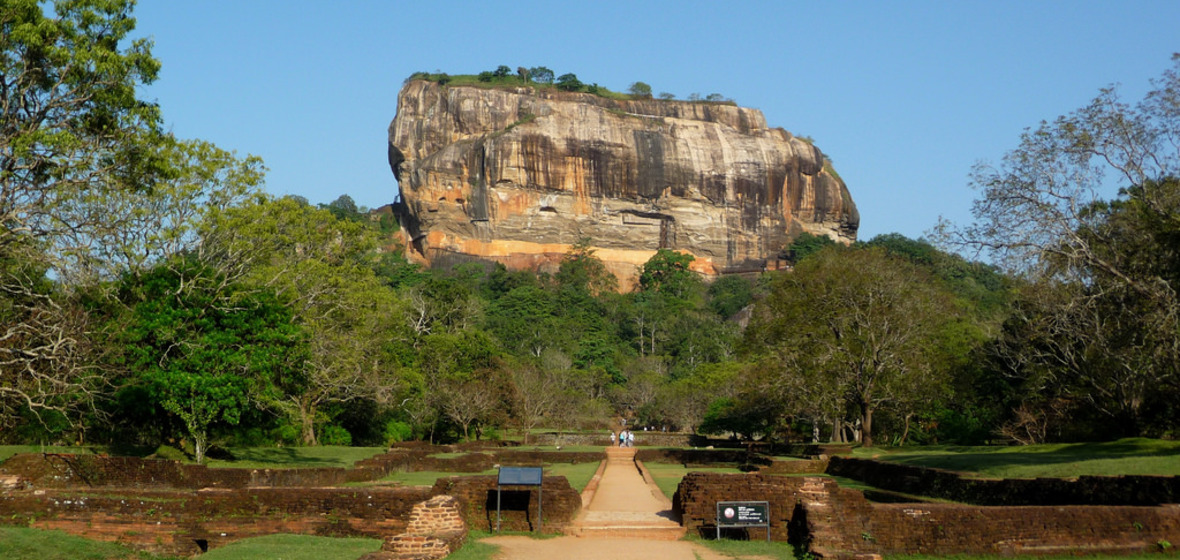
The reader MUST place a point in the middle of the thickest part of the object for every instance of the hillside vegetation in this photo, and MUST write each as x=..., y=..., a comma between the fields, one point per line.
x=152, y=293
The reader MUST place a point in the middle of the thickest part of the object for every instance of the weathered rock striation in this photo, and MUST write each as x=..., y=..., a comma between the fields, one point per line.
x=518, y=175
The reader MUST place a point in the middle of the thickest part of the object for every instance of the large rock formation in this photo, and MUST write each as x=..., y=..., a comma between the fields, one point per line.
x=518, y=175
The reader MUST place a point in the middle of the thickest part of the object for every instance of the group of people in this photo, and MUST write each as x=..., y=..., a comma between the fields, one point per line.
x=625, y=439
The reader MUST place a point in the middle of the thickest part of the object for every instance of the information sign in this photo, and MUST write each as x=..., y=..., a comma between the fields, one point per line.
x=520, y=476
x=743, y=514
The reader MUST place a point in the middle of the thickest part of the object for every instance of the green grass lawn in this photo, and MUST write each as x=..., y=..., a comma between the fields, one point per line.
x=578, y=474
x=18, y=543
x=667, y=476
x=295, y=457
x=1134, y=456
x=748, y=549
x=244, y=457
x=7, y=451
x=294, y=547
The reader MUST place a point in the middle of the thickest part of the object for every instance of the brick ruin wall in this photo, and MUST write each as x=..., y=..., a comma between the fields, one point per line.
x=936, y=483
x=187, y=523
x=72, y=471
x=435, y=530
x=832, y=522
x=156, y=505
x=172, y=508
x=518, y=504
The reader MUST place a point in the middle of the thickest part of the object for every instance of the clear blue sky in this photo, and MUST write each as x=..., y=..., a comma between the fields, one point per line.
x=903, y=96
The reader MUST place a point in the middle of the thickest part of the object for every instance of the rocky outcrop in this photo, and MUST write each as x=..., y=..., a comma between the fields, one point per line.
x=517, y=175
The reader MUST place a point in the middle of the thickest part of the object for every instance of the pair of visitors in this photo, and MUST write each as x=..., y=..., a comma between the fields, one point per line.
x=626, y=438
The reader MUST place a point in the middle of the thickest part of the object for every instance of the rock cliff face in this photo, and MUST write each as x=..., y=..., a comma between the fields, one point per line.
x=518, y=175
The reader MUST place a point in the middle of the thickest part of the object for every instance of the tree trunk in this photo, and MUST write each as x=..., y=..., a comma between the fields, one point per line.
x=200, y=441
x=906, y=432
x=307, y=424
x=866, y=426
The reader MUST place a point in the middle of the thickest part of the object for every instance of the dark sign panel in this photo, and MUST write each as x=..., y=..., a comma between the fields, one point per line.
x=530, y=476
x=736, y=514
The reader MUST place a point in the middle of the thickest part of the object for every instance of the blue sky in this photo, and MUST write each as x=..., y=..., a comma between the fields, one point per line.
x=903, y=96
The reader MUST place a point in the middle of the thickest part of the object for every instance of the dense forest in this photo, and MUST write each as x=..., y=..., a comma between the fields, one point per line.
x=151, y=292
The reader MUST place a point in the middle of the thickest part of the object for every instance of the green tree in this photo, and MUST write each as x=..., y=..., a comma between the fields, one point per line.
x=319, y=264
x=667, y=272
x=568, y=82
x=205, y=350
x=1109, y=265
x=582, y=271
x=861, y=320
x=541, y=75
x=71, y=119
x=730, y=294
x=640, y=90
x=807, y=244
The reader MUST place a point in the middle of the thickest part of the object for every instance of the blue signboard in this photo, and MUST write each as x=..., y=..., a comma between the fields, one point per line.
x=520, y=476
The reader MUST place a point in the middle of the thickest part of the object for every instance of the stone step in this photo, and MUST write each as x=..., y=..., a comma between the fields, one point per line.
x=649, y=532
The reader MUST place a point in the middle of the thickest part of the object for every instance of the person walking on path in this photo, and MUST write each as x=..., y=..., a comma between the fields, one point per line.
x=612, y=438
x=630, y=439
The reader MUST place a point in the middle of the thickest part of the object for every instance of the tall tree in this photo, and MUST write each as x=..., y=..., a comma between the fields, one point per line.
x=203, y=349
x=1042, y=214
x=859, y=320
x=71, y=119
x=319, y=263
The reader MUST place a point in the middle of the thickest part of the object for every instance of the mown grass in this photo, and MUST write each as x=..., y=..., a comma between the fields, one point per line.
x=1139, y=556
x=473, y=549
x=295, y=547
x=748, y=549
x=295, y=457
x=19, y=543
x=578, y=474
x=7, y=451
x=1133, y=456
x=667, y=476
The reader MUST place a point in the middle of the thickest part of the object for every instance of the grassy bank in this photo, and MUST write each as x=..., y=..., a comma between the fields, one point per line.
x=1134, y=456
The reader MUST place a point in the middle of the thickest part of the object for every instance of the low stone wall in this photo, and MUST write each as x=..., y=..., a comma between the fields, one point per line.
x=39, y=470
x=833, y=522
x=436, y=529
x=697, y=496
x=945, y=529
x=802, y=466
x=1085, y=490
x=187, y=523
x=518, y=504
x=693, y=457
x=81, y=471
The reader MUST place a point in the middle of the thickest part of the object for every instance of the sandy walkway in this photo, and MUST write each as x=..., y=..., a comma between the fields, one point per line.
x=577, y=548
x=624, y=503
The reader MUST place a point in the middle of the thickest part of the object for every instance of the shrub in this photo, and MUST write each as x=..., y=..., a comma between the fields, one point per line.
x=396, y=430
x=334, y=435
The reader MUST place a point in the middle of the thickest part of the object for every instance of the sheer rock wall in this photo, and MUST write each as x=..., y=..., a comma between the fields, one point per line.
x=518, y=175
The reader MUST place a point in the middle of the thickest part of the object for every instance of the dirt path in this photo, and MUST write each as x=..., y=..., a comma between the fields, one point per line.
x=584, y=548
x=624, y=510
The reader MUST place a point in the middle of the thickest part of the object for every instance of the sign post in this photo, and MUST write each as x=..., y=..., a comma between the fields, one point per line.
x=520, y=476
x=743, y=514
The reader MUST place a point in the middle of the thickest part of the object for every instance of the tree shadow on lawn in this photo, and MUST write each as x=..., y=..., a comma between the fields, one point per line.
x=987, y=460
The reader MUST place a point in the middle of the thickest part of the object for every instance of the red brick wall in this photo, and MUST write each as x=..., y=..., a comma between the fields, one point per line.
x=1085, y=490
x=173, y=522
x=835, y=522
x=518, y=507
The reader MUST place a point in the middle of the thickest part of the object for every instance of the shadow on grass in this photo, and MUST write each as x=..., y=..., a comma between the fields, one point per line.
x=997, y=460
